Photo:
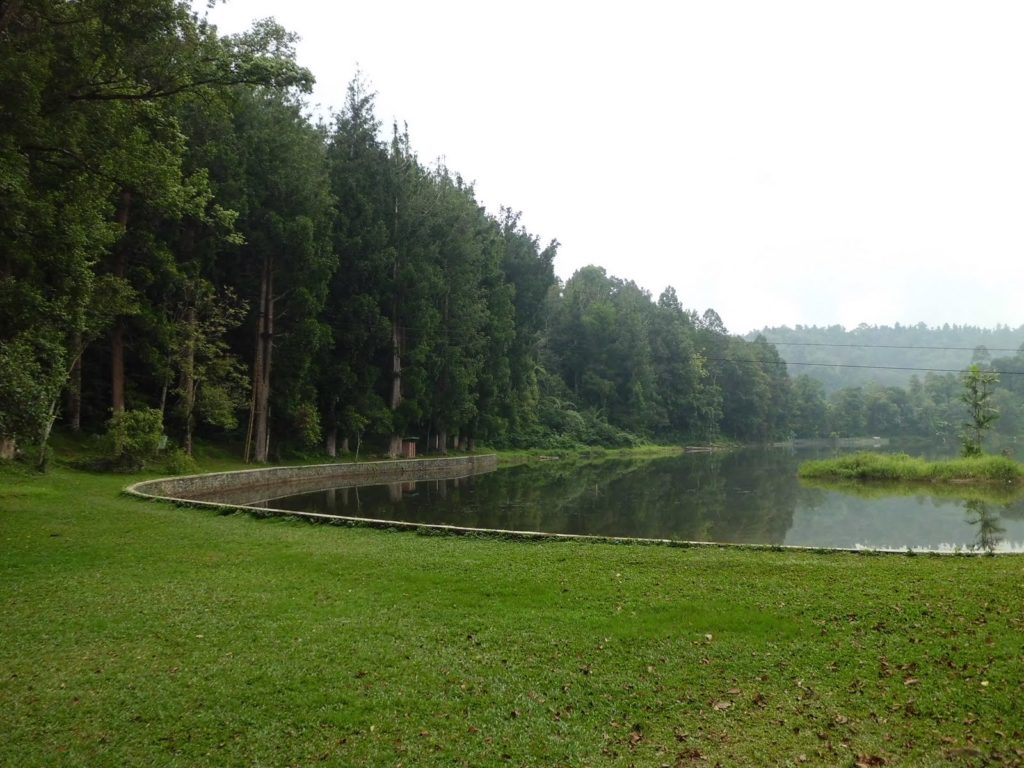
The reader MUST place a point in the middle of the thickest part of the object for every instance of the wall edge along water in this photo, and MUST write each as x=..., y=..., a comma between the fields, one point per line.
x=188, y=491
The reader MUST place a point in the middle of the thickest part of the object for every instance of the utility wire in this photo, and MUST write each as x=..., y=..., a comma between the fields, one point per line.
x=851, y=365
x=883, y=346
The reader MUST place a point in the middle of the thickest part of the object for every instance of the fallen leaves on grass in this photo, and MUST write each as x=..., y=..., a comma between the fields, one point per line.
x=689, y=756
x=868, y=761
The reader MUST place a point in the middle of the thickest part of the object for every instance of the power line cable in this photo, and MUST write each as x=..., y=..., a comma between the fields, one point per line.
x=852, y=365
x=883, y=346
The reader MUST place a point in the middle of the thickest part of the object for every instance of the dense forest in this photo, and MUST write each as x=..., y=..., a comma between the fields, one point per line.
x=184, y=247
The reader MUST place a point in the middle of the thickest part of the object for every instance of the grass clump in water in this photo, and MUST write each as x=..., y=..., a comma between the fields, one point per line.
x=908, y=469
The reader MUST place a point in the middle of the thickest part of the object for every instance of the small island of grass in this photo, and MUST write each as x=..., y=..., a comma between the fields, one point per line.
x=900, y=467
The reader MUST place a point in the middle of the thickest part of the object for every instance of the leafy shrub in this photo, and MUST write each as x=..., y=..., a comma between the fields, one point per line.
x=180, y=463
x=306, y=425
x=134, y=437
x=27, y=388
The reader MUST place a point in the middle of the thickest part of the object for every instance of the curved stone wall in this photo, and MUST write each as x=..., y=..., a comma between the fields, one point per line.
x=248, y=485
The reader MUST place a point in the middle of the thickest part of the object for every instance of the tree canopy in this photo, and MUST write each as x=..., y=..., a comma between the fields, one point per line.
x=179, y=234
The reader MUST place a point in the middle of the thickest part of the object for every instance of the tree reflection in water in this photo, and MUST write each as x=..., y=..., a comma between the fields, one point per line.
x=990, y=532
x=745, y=497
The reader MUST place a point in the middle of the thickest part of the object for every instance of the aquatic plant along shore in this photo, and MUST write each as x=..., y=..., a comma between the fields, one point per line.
x=903, y=468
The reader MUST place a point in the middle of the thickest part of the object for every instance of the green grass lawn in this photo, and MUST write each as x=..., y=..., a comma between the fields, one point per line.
x=139, y=633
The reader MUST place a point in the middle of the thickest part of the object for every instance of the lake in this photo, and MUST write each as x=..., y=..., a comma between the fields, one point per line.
x=750, y=496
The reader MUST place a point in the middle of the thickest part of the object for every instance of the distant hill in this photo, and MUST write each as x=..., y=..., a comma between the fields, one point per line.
x=899, y=346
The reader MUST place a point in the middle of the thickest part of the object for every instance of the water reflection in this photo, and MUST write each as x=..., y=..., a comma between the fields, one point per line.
x=986, y=519
x=750, y=497
x=983, y=507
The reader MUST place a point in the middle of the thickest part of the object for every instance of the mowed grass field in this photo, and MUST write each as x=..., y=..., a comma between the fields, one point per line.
x=139, y=633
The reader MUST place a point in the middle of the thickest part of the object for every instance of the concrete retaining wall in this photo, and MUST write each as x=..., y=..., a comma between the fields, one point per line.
x=218, y=485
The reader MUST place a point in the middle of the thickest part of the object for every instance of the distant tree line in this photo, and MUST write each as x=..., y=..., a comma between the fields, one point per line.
x=181, y=243
x=832, y=394
x=885, y=352
x=929, y=406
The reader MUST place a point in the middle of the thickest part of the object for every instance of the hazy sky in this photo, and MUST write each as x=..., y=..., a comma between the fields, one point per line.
x=782, y=162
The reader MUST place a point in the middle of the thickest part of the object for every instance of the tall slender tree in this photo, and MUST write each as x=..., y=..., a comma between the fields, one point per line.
x=286, y=260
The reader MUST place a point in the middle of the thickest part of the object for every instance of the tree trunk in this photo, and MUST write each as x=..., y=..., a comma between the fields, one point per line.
x=44, y=437
x=442, y=441
x=264, y=427
x=331, y=438
x=8, y=447
x=395, y=447
x=396, y=367
x=117, y=367
x=258, y=438
x=163, y=394
x=117, y=337
x=188, y=378
x=257, y=367
x=74, y=392
x=7, y=13
x=344, y=445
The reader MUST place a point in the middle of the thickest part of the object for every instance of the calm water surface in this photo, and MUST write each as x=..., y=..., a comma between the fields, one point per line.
x=748, y=497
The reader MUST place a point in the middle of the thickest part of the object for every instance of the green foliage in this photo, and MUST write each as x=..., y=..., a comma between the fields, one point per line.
x=959, y=491
x=306, y=420
x=652, y=369
x=977, y=396
x=28, y=389
x=134, y=437
x=904, y=468
x=166, y=185
x=180, y=463
x=809, y=409
x=92, y=129
x=996, y=469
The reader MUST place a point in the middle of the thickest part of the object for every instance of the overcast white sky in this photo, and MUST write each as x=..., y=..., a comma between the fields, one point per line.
x=782, y=162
